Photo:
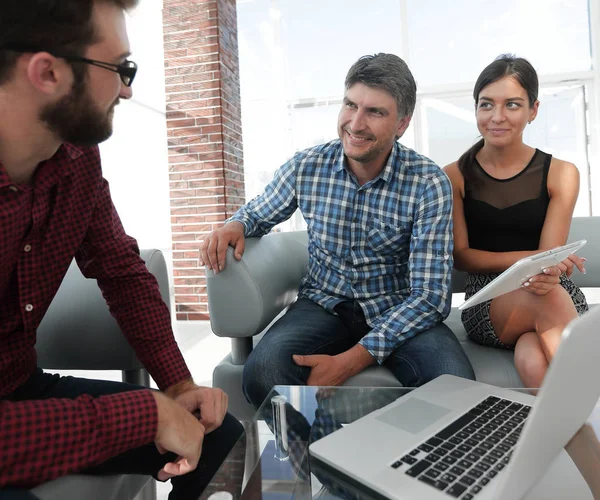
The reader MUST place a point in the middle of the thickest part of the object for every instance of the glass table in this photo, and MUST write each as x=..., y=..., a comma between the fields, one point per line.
x=271, y=459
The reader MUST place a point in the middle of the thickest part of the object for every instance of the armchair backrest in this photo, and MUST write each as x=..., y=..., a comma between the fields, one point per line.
x=78, y=331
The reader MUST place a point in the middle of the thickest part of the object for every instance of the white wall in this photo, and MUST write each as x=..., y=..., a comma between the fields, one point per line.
x=135, y=159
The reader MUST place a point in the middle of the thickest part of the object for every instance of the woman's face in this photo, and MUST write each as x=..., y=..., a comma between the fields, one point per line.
x=503, y=111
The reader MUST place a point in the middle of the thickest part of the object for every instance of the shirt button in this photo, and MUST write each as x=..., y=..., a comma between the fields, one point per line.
x=29, y=308
x=27, y=248
x=14, y=188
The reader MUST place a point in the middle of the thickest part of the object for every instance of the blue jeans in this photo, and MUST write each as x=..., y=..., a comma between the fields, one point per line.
x=308, y=328
x=143, y=460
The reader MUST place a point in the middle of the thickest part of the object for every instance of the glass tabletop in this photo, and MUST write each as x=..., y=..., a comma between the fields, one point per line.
x=271, y=459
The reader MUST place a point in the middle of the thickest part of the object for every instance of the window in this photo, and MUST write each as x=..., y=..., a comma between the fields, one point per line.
x=294, y=56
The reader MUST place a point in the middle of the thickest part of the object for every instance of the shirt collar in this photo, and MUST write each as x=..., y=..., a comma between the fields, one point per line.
x=4, y=179
x=66, y=151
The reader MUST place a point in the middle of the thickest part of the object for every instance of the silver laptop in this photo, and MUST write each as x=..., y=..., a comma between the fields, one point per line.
x=455, y=438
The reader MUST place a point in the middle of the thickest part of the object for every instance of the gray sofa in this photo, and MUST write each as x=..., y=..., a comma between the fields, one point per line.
x=249, y=294
x=78, y=333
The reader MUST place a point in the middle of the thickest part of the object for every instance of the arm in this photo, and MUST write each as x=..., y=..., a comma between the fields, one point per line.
x=430, y=267
x=563, y=188
x=131, y=292
x=276, y=204
x=256, y=218
x=466, y=258
x=45, y=439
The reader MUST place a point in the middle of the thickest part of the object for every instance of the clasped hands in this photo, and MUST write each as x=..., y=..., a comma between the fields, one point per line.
x=186, y=413
x=542, y=283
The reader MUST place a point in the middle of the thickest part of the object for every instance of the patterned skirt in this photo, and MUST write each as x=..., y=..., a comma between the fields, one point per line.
x=476, y=319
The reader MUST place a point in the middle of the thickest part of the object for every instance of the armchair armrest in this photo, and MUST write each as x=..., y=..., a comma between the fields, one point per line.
x=248, y=294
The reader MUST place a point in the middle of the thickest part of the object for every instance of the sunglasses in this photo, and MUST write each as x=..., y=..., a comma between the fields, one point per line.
x=126, y=70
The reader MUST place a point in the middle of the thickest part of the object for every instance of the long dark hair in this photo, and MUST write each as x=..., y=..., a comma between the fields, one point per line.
x=504, y=65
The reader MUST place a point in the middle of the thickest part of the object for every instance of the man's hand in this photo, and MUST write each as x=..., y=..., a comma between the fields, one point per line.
x=214, y=248
x=207, y=404
x=178, y=432
x=328, y=370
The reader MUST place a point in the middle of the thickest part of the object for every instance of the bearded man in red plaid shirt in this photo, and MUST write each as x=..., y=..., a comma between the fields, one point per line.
x=63, y=67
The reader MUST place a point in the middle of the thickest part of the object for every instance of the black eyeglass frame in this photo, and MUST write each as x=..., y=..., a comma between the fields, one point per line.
x=126, y=70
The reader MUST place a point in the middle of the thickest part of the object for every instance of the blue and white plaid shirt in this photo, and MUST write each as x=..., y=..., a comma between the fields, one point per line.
x=387, y=244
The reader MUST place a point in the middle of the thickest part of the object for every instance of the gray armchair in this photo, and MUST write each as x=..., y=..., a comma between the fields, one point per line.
x=249, y=294
x=78, y=333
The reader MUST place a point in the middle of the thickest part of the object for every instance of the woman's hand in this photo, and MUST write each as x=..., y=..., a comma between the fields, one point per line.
x=542, y=283
x=567, y=265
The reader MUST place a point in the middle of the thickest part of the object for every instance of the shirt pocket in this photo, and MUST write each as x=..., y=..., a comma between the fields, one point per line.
x=385, y=238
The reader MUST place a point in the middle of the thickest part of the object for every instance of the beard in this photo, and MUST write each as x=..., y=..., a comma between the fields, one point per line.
x=76, y=119
x=366, y=156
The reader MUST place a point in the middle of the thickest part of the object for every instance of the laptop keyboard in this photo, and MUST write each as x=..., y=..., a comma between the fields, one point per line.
x=465, y=456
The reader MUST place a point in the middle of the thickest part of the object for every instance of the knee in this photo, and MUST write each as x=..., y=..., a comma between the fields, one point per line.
x=530, y=362
x=261, y=372
x=254, y=385
x=447, y=356
x=430, y=354
x=232, y=429
x=556, y=302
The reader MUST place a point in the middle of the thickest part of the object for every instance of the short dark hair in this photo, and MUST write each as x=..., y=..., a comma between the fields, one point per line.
x=64, y=26
x=387, y=72
x=504, y=65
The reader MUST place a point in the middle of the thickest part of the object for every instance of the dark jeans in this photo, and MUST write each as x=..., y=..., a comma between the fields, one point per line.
x=143, y=460
x=308, y=328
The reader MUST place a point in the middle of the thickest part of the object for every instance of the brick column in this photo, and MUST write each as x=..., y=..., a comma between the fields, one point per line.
x=204, y=135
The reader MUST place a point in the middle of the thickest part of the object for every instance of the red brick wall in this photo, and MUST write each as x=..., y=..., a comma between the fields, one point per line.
x=204, y=135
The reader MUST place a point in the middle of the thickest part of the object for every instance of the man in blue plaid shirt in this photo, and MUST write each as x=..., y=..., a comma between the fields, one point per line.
x=379, y=219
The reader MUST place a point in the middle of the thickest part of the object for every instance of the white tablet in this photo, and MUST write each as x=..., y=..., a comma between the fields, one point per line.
x=521, y=271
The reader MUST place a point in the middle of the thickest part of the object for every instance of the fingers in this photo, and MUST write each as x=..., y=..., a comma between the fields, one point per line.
x=575, y=261
x=541, y=284
x=213, y=250
x=553, y=270
x=180, y=467
x=213, y=259
x=240, y=245
x=222, y=246
x=213, y=408
x=179, y=432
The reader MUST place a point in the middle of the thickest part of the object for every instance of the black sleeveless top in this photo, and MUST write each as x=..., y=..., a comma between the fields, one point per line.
x=505, y=215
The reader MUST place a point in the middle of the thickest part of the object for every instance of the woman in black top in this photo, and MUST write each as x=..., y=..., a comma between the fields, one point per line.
x=510, y=201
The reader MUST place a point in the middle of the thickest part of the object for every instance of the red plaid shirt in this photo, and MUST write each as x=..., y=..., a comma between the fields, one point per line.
x=68, y=212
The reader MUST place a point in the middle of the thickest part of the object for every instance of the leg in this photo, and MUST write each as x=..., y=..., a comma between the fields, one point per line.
x=429, y=354
x=530, y=360
x=13, y=494
x=518, y=312
x=306, y=328
x=584, y=450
